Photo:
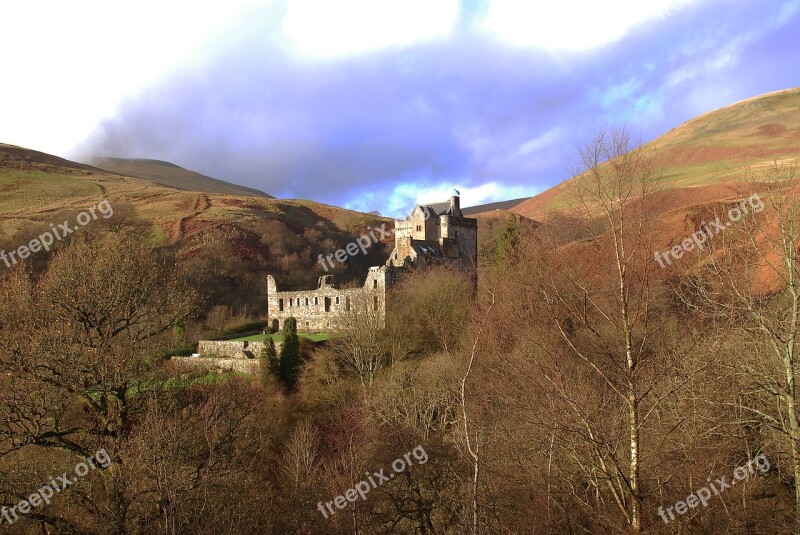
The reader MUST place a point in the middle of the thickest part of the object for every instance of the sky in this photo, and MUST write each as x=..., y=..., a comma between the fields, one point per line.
x=378, y=104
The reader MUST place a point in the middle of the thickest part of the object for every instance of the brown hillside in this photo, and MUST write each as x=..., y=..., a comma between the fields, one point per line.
x=704, y=157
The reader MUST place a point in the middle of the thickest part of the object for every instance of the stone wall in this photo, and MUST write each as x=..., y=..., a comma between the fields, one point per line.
x=211, y=363
x=464, y=232
x=319, y=310
x=230, y=349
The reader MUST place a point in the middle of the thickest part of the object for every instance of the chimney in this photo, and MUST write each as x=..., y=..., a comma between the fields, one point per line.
x=455, y=206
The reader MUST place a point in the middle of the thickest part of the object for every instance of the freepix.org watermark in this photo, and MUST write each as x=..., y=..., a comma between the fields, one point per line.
x=361, y=244
x=373, y=481
x=699, y=237
x=56, y=233
x=42, y=497
x=714, y=488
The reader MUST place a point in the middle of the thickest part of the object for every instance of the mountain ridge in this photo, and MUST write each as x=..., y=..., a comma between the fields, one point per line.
x=715, y=149
x=173, y=175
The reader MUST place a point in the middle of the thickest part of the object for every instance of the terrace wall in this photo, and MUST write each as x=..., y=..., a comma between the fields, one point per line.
x=210, y=363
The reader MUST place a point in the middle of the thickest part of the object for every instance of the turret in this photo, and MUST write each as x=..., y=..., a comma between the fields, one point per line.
x=455, y=206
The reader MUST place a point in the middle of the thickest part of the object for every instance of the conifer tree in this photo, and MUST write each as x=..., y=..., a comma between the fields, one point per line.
x=290, y=353
x=268, y=362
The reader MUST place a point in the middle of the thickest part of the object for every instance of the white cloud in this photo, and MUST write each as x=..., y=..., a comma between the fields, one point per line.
x=68, y=65
x=570, y=25
x=712, y=59
x=405, y=196
x=539, y=144
x=328, y=29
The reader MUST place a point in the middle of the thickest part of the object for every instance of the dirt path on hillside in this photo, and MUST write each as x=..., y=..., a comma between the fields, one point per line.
x=201, y=204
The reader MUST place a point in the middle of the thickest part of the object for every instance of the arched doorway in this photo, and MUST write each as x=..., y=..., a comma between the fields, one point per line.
x=275, y=326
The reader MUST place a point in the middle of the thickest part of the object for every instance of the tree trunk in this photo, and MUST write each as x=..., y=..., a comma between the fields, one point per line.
x=633, y=418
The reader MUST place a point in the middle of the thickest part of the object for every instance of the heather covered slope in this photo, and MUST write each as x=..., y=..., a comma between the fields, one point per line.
x=705, y=156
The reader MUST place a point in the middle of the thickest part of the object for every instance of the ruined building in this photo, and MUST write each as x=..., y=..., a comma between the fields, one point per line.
x=433, y=234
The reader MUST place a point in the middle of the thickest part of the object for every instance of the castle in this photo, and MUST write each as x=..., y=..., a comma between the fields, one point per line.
x=433, y=234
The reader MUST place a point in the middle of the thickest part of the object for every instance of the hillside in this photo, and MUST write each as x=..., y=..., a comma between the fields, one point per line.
x=705, y=156
x=169, y=174
x=233, y=240
x=493, y=206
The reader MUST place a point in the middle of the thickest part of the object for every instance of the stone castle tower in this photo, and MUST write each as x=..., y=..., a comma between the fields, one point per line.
x=433, y=234
x=436, y=233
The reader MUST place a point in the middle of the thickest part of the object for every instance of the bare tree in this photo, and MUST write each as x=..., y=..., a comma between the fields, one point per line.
x=607, y=305
x=76, y=343
x=750, y=280
x=362, y=348
x=472, y=436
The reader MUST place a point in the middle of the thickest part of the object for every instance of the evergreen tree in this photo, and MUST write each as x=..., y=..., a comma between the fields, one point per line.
x=268, y=362
x=290, y=353
x=273, y=363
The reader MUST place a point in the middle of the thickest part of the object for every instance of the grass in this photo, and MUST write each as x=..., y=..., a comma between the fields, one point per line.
x=32, y=190
x=171, y=383
x=278, y=337
x=177, y=383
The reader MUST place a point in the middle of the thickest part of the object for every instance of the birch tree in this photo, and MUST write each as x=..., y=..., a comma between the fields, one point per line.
x=606, y=303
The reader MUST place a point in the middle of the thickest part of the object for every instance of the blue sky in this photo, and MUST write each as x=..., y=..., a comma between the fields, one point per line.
x=376, y=105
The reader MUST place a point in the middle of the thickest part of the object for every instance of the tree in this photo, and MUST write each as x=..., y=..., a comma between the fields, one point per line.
x=607, y=304
x=508, y=241
x=362, y=348
x=289, y=367
x=750, y=281
x=269, y=364
x=430, y=309
x=74, y=347
x=273, y=362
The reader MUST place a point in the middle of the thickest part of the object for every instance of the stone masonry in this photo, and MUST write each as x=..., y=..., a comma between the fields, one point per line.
x=230, y=349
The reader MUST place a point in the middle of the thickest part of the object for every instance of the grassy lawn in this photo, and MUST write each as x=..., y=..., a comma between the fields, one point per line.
x=278, y=337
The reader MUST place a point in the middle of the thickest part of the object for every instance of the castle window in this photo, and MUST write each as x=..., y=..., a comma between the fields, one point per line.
x=306, y=301
x=375, y=283
x=280, y=305
x=291, y=301
x=375, y=302
x=316, y=301
x=347, y=304
x=337, y=299
x=419, y=228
